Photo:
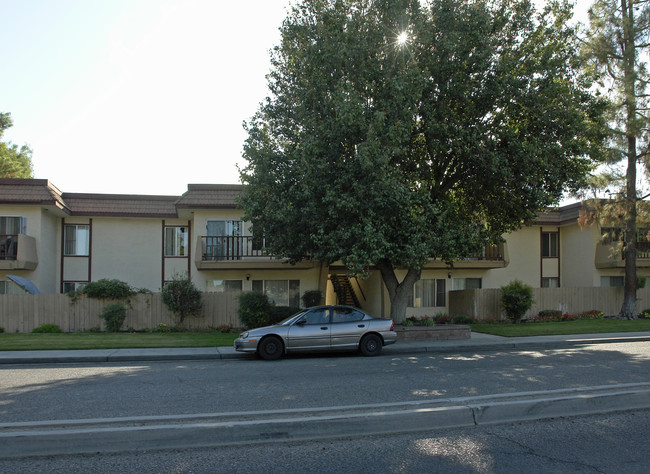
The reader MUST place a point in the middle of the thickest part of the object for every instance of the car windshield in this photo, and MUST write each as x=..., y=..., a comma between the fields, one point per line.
x=290, y=318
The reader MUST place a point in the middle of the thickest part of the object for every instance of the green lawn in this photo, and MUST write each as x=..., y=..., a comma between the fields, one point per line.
x=22, y=342
x=565, y=327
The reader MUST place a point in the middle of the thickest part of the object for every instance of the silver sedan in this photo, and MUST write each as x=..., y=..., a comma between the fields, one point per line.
x=320, y=328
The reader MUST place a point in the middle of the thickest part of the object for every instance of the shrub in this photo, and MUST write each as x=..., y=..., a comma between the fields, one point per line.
x=461, y=319
x=182, y=297
x=517, y=298
x=165, y=328
x=645, y=314
x=113, y=315
x=442, y=318
x=47, y=328
x=108, y=289
x=225, y=328
x=408, y=322
x=253, y=309
x=311, y=298
x=2, y=329
x=427, y=321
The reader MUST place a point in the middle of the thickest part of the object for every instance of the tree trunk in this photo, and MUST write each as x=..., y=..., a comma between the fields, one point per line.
x=398, y=293
x=628, y=309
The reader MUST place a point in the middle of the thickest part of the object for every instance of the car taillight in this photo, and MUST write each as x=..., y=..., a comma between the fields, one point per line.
x=392, y=326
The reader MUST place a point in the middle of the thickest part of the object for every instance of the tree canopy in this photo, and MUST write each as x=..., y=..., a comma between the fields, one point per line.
x=14, y=162
x=615, y=52
x=398, y=131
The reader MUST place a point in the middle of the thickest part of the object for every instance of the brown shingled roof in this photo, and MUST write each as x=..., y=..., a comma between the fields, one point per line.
x=30, y=191
x=207, y=196
x=121, y=205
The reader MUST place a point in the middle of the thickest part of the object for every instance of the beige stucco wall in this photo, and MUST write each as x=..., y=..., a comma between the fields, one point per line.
x=578, y=250
x=129, y=250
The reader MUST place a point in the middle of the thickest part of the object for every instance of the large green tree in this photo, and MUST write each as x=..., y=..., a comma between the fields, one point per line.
x=615, y=50
x=14, y=162
x=398, y=130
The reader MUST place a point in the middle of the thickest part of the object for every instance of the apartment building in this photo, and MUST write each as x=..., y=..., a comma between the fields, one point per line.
x=61, y=241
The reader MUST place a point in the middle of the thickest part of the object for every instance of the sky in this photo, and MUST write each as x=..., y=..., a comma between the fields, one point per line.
x=137, y=96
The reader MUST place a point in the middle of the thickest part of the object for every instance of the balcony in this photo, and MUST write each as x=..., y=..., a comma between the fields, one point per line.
x=609, y=256
x=237, y=252
x=493, y=256
x=18, y=252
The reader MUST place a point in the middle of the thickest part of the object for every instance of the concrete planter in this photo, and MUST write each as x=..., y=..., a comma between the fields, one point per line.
x=443, y=332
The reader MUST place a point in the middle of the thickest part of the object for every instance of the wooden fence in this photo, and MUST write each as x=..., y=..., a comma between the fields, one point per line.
x=23, y=313
x=482, y=304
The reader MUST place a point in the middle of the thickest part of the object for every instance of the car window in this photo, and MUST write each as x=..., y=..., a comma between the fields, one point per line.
x=316, y=316
x=346, y=315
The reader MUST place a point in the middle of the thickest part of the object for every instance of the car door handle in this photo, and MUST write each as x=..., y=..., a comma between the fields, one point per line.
x=325, y=328
x=361, y=325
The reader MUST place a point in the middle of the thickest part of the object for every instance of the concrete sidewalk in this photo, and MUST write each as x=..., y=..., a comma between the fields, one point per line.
x=477, y=342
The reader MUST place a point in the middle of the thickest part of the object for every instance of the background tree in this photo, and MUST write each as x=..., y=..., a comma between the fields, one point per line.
x=396, y=132
x=615, y=51
x=14, y=162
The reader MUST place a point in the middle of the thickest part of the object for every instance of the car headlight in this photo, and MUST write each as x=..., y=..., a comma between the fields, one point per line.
x=244, y=335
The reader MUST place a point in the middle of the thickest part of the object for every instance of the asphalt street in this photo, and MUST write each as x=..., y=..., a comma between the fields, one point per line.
x=58, y=403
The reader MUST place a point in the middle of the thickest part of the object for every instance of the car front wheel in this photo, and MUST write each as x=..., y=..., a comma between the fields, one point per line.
x=270, y=348
x=371, y=345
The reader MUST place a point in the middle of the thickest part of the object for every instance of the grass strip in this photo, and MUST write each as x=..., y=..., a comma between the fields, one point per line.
x=75, y=341
x=595, y=326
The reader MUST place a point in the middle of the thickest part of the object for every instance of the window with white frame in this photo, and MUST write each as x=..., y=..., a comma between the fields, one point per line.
x=76, y=240
x=428, y=293
x=176, y=239
x=467, y=283
x=280, y=292
x=223, y=286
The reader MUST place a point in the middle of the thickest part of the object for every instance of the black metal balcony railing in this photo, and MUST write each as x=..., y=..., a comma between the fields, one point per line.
x=642, y=249
x=492, y=252
x=8, y=247
x=226, y=247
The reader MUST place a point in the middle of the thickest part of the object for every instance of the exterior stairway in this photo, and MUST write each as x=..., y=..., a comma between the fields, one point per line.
x=344, y=292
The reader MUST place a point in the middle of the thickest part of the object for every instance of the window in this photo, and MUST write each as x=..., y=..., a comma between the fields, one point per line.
x=550, y=282
x=467, y=283
x=315, y=316
x=224, y=286
x=550, y=244
x=280, y=292
x=13, y=225
x=10, y=288
x=176, y=241
x=73, y=286
x=428, y=293
x=76, y=240
x=346, y=315
x=612, y=281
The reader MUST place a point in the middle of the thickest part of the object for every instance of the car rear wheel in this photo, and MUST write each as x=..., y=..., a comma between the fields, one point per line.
x=371, y=345
x=270, y=348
